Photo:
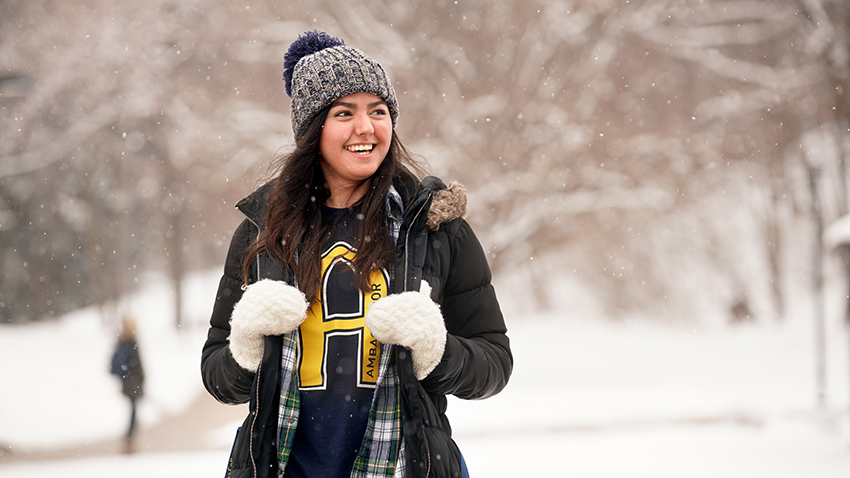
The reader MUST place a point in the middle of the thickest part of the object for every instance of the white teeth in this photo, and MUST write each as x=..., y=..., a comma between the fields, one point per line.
x=360, y=148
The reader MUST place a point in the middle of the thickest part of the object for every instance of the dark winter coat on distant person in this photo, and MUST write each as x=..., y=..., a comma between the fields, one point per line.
x=127, y=365
x=435, y=244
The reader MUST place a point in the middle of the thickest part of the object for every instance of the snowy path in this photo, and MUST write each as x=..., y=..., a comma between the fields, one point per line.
x=595, y=400
x=586, y=399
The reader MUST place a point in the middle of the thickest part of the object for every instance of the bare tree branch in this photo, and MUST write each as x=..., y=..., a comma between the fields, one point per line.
x=78, y=133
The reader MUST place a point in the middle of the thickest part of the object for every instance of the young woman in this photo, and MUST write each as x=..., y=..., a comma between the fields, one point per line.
x=355, y=297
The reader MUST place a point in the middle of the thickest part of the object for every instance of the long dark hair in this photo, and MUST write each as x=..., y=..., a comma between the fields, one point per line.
x=296, y=228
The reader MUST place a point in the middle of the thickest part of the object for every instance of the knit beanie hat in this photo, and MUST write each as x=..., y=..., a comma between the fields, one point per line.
x=319, y=69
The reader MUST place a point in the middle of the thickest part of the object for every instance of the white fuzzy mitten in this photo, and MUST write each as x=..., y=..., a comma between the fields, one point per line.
x=413, y=320
x=267, y=307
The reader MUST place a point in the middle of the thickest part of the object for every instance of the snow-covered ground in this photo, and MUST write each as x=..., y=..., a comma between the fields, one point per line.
x=587, y=398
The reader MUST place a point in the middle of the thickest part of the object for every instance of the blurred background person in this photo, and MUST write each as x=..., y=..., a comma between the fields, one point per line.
x=127, y=365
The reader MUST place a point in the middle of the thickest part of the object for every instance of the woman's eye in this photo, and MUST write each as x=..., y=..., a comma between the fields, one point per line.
x=342, y=113
x=379, y=111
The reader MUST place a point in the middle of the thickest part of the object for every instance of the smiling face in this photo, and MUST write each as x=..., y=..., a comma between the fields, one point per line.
x=355, y=140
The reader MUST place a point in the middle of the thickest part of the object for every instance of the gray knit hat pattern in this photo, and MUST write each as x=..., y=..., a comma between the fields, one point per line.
x=321, y=77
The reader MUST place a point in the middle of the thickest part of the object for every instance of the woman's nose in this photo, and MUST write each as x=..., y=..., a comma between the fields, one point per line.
x=363, y=125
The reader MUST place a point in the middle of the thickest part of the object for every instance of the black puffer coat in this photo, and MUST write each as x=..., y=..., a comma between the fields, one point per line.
x=476, y=364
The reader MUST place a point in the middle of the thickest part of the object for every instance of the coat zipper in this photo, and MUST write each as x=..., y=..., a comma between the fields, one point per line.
x=407, y=240
x=259, y=368
x=254, y=422
x=406, y=268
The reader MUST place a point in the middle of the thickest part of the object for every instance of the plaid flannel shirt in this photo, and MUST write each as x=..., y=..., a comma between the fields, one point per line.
x=382, y=451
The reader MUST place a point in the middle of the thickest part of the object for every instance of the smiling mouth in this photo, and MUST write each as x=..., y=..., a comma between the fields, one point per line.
x=361, y=148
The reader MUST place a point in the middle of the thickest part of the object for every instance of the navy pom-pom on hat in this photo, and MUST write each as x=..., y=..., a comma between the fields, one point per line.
x=306, y=44
x=319, y=68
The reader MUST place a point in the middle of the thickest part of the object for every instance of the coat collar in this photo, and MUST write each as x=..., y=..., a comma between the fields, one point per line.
x=448, y=202
x=254, y=205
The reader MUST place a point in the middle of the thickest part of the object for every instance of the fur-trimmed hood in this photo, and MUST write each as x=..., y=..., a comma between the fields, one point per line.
x=447, y=204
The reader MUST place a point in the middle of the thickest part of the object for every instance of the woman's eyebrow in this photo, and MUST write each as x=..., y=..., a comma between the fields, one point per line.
x=342, y=103
x=352, y=105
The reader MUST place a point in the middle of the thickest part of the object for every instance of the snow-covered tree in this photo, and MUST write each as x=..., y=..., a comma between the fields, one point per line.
x=656, y=151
